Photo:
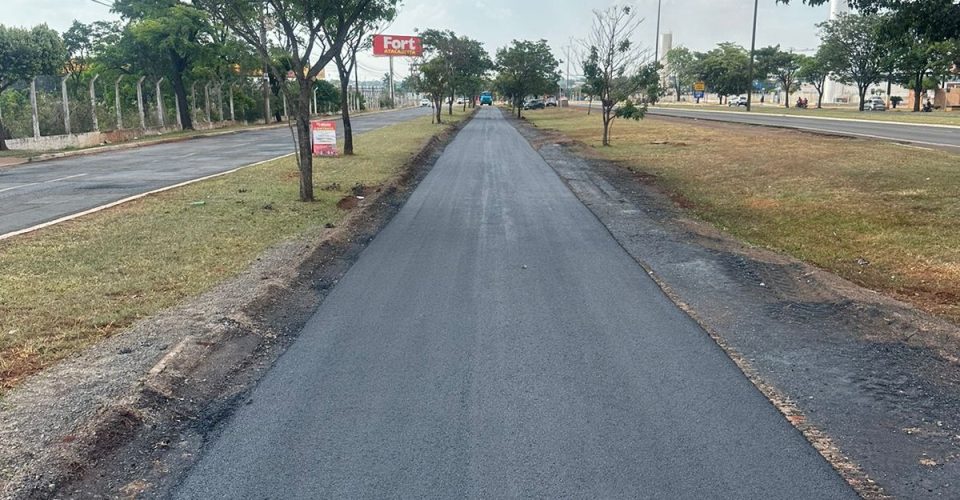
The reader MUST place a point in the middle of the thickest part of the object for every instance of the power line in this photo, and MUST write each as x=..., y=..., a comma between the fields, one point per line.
x=102, y=3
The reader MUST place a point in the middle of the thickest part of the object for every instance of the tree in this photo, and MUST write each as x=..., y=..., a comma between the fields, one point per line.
x=860, y=39
x=815, y=70
x=84, y=42
x=464, y=60
x=377, y=14
x=312, y=32
x=170, y=33
x=433, y=81
x=614, y=67
x=526, y=68
x=25, y=54
x=783, y=66
x=725, y=69
x=681, y=66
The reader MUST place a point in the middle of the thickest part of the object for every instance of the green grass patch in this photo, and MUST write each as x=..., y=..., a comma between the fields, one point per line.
x=831, y=201
x=67, y=286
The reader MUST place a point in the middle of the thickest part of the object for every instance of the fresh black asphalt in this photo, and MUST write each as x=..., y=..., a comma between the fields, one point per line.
x=36, y=193
x=922, y=135
x=495, y=341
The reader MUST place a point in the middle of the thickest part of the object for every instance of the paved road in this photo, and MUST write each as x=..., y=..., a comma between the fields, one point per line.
x=37, y=193
x=939, y=137
x=495, y=341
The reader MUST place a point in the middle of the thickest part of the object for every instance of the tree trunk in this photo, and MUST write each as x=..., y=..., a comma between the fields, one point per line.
x=863, y=95
x=3, y=136
x=176, y=78
x=819, y=98
x=606, y=124
x=917, y=88
x=786, y=101
x=303, y=141
x=345, y=114
x=438, y=109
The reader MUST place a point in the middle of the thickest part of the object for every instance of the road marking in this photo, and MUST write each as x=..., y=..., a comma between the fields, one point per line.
x=131, y=198
x=41, y=182
x=64, y=178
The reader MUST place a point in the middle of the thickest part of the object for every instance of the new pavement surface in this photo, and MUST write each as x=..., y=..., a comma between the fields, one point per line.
x=495, y=341
x=36, y=193
x=939, y=137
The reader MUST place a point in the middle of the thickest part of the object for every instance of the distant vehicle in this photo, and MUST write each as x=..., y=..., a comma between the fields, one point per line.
x=486, y=98
x=551, y=101
x=534, y=104
x=459, y=100
x=875, y=104
x=425, y=103
x=740, y=100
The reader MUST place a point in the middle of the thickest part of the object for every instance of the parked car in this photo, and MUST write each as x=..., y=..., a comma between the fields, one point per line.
x=425, y=103
x=875, y=104
x=459, y=100
x=740, y=100
x=534, y=104
x=551, y=101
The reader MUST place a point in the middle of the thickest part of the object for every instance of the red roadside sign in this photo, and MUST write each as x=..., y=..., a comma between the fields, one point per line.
x=323, y=135
x=397, y=45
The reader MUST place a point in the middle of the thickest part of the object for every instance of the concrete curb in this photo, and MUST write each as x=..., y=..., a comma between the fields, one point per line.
x=826, y=118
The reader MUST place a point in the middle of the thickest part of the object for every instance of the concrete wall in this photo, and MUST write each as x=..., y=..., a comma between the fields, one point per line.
x=89, y=139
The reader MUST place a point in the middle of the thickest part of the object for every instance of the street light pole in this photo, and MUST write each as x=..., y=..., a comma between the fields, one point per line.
x=753, y=46
x=656, y=50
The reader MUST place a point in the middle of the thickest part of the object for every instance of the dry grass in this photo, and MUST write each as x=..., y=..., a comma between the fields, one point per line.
x=65, y=287
x=901, y=114
x=880, y=214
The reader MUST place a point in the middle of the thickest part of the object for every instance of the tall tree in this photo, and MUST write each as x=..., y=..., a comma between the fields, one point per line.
x=860, y=37
x=725, y=69
x=378, y=14
x=313, y=32
x=614, y=68
x=816, y=69
x=27, y=53
x=526, y=68
x=681, y=68
x=782, y=66
x=464, y=60
x=171, y=32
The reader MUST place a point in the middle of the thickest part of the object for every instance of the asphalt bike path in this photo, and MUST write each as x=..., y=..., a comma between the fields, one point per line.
x=495, y=341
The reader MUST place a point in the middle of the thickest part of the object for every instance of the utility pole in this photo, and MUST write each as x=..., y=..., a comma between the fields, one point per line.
x=266, y=66
x=392, y=103
x=753, y=47
x=569, y=43
x=356, y=81
x=656, y=50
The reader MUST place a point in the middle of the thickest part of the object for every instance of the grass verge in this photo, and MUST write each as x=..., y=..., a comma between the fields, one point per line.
x=880, y=214
x=67, y=286
x=904, y=115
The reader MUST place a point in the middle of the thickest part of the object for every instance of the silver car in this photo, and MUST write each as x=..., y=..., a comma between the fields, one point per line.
x=875, y=104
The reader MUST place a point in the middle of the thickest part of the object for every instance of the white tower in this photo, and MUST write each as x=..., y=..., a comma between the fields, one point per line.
x=832, y=88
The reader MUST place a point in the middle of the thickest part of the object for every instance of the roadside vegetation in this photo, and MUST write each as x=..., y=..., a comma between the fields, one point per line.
x=65, y=287
x=880, y=214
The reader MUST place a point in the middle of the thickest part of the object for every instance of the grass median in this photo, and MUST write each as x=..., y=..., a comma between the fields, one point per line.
x=901, y=114
x=65, y=287
x=880, y=214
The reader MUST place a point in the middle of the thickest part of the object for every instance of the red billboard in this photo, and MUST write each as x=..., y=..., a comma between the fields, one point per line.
x=397, y=45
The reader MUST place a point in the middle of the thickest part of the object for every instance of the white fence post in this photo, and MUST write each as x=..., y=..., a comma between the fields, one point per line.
x=206, y=94
x=176, y=103
x=286, y=117
x=233, y=117
x=143, y=118
x=33, y=105
x=65, y=101
x=93, y=103
x=160, y=103
x=116, y=90
x=220, y=100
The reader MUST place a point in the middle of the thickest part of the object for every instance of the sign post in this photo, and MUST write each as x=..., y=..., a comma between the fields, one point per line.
x=323, y=135
x=698, y=89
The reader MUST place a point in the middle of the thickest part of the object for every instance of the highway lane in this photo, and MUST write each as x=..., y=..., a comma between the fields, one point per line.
x=495, y=341
x=921, y=135
x=36, y=193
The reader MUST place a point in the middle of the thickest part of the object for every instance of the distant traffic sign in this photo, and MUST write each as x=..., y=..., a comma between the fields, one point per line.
x=700, y=86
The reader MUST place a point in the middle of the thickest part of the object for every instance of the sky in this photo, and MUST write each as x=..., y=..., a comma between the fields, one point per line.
x=696, y=24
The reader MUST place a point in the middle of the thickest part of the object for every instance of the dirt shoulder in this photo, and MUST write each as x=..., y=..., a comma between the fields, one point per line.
x=127, y=416
x=873, y=383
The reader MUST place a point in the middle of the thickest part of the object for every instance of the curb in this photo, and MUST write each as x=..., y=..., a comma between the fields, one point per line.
x=826, y=118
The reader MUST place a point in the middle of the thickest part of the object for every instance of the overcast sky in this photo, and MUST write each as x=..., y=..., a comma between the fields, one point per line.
x=697, y=24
